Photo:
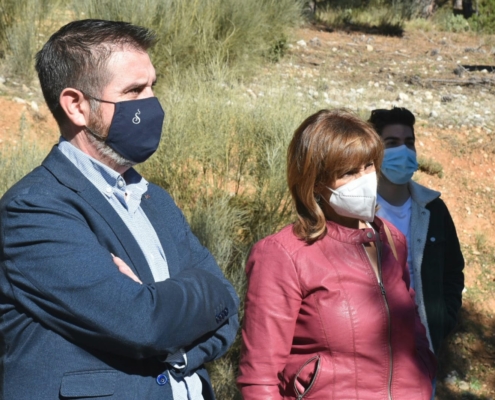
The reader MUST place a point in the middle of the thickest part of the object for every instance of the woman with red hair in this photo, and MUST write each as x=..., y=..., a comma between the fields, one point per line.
x=329, y=313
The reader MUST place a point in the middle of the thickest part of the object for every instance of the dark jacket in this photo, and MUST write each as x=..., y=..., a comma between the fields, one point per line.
x=72, y=325
x=438, y=259
x=318, y=324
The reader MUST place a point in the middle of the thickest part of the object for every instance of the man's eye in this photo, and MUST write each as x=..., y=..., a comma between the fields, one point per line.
x=135, y=90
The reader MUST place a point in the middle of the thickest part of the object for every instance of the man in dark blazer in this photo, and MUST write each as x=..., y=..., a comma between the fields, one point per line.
x=104, y=290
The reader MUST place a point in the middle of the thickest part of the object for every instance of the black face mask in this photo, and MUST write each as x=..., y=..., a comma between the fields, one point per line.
x=136, y=128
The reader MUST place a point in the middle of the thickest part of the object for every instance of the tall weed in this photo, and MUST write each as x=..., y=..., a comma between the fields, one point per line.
x=375, y=16
x=22, y=25
x=16, y=160
x=199, y=32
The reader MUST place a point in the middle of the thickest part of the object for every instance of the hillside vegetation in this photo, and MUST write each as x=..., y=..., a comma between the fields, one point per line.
x=236, y=78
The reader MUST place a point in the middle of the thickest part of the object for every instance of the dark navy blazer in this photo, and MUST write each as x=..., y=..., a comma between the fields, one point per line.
x=71, y=325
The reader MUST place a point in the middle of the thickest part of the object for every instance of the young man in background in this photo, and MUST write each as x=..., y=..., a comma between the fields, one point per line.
x=435, y=260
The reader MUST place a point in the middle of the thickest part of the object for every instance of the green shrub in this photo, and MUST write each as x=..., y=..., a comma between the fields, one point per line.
x=204, y=31
x=430, y=166
x=484, y=19
x=445, y=20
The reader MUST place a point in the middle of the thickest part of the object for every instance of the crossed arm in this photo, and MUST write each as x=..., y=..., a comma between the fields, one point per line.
x=56, y=269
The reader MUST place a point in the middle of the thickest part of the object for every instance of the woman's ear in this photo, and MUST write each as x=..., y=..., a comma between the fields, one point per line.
x=75, y=106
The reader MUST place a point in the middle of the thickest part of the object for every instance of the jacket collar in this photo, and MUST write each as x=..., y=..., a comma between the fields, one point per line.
x=353, y=236
x=421, y=194
x=65, y=172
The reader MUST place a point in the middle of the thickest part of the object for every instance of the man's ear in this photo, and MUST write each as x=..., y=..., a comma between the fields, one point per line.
x=75, y=106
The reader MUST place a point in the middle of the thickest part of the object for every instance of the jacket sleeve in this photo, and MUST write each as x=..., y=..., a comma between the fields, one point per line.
x=453, y=276
x=272, y=306
x=57, y=272
x=214, y=344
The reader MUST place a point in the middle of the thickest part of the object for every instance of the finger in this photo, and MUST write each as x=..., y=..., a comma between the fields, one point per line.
x=124, y=268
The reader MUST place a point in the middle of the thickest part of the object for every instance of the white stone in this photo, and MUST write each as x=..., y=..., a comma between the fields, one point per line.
x=251, y=93
x=34, y=106
x=301, y=43
x=315, y=41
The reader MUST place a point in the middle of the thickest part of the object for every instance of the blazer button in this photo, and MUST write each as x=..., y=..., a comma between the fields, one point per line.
x=161, y=379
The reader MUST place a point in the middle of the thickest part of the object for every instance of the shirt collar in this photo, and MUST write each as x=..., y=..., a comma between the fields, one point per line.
x=108, y=181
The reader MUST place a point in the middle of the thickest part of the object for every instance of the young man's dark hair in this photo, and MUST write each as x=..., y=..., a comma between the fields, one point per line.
x=73, y=54
x=398, y=115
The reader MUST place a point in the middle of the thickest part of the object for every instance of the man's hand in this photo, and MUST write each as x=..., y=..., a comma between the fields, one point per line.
x=124, y=268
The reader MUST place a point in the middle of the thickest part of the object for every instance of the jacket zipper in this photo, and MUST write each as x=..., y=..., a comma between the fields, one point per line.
x=300, y=396
x=384, y=295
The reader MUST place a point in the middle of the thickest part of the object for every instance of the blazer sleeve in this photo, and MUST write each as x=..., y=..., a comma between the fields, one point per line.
x=56, y=271
x=214, y=344
x=272, y=305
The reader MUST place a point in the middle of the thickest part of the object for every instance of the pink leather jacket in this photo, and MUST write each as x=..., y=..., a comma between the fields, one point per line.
x=319, y=325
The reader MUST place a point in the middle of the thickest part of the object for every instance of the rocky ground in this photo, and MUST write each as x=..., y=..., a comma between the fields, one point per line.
x=427, y=72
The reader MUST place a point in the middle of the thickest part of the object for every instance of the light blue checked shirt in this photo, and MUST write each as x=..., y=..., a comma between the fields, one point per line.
x=124, y=195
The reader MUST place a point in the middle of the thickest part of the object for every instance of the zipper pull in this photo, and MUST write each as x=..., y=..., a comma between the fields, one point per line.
x=382, y=288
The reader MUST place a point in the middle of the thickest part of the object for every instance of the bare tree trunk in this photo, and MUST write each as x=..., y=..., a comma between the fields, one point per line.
x=310, y=9
x=423, y=8
x=463, y=7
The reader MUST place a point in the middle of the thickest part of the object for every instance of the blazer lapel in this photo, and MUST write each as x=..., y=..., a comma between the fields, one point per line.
x=68, y=175
x=163, y=233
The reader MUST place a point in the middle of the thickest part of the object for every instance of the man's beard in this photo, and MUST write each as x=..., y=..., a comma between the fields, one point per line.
x=95, y=128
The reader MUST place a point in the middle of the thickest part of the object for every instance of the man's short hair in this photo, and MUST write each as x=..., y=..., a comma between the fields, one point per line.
x=77, y=54
x=398, y=115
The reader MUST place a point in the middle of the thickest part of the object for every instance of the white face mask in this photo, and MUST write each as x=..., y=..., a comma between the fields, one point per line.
x=356, y=199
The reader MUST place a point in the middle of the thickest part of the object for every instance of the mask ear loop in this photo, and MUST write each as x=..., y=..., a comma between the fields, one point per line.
x=101, y=138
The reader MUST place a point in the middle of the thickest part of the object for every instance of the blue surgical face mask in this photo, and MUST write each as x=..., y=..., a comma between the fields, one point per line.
x=136, y=128
x=399, y=164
